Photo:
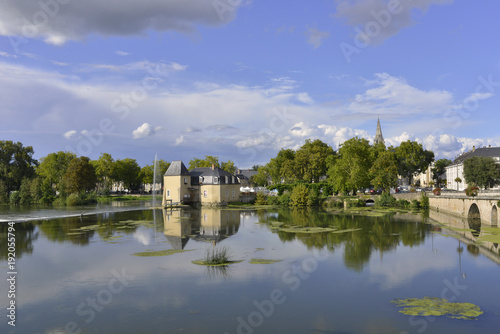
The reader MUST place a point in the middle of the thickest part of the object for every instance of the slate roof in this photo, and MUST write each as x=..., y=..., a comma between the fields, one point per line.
x=492, y=152
x=207, y=171
x=246, y=174
x=177, y=168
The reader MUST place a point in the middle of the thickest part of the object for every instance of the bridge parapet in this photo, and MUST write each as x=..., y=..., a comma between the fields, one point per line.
x=484, y=208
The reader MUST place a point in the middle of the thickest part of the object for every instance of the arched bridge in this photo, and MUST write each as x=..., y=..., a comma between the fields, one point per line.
x=483, y=209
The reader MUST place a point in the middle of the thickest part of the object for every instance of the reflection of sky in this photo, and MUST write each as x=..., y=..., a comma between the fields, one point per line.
x=170, y=293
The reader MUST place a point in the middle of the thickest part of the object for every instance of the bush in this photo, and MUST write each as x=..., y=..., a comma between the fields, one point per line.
x=273, y=200
x=424, y=201
x=402, y=203
x=331, y=202
x=472, y=191
x=260, y=199
x=300, y=196
x=415, y=204
x=313, y=199
x=14, y=198
x=285, y=199
x=25, y=192
x=385, y=200
x=74, y=199
x=4, y=198
x=437, y=191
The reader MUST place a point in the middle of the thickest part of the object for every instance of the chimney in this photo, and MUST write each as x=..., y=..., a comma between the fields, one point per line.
x=213, y=166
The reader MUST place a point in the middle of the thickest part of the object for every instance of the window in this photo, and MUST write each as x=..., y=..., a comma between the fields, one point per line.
x=216, y=179
x=185, y=180
x=168, y=193
x=233, y=193
x=205, y=193
x=227, y=193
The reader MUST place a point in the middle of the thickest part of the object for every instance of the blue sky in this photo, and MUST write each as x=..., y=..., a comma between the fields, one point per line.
x=241, y=79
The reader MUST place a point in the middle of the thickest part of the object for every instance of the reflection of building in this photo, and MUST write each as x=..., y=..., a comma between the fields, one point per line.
x=456, y=169
x=200, y=185
x=209, y=225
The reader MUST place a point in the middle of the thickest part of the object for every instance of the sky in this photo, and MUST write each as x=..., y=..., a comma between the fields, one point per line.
x=241, y=79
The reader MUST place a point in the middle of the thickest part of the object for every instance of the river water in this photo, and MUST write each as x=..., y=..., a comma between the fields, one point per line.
x=90, y=280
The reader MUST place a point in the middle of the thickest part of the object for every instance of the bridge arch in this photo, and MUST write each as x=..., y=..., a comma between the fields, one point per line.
x=494, y=216
x=474, y=219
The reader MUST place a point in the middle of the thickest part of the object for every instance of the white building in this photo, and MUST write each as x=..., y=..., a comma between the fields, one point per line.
x=456, y=169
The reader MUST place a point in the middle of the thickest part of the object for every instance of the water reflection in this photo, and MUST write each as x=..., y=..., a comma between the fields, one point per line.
x=209, y=225
x=25, y=236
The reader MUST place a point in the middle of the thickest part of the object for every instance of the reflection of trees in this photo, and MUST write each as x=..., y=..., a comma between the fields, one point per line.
x=57, y=230
x=380, y=234
x=25, y=235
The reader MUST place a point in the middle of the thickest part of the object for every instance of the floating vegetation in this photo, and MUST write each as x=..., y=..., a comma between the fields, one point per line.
x=279, y=226
x=165, y=252
x=431, y=306
x=259, y=249
x=263, y=261
x=490, y=234
x=111, y=238
x=216, y=257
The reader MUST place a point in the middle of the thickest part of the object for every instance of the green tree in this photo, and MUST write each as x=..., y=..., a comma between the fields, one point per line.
x=228, y=166
x=439, y=169
x=311, y=160
x=129, y=172
x=103, y=170
x=351, y=170
x=207, y=162
x=16, y=163
x=482, y=171
x=384, y=171
x=260, y=179
x=54, y=166
x=80, y=176
x=282, y=166
x=300, y=196
x=412, y=159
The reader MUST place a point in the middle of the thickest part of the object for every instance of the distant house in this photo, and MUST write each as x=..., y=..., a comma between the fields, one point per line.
x=456, y=169
x=245, y=176
x=206, y=185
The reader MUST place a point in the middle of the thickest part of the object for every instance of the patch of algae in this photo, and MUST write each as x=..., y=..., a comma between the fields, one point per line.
x=203, y=263
x=160, y=253
x=431, y=306
x=263, y=261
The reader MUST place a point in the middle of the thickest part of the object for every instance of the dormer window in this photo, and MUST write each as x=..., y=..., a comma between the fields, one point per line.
x=216, y=179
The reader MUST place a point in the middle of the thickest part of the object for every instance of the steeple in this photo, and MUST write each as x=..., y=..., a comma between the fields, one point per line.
x=378, y=135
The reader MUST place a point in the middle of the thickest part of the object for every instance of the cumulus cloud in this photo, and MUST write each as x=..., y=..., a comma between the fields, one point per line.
x=74, y=20
x=315, y=37
x=122, y=53
x=378, y=20
x=145, y=130
x=179, y=140
x=70, y=134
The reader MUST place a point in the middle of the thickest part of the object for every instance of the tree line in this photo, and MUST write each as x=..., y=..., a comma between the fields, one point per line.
x=64, y=178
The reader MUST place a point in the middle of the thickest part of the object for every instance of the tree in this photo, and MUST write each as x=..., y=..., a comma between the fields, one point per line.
x=260, y=179
x=412, y=159
x=384, y=171
x=103, y=170
x=16, y=163
x=439, y=169
x=228, y=166
x=80, y=176
x=458, y=180
x=351, y=170
x=207, y=162
x=282, y=166
x=482, y=171
x=54, y=166
x=311, y=160
x=128, y=172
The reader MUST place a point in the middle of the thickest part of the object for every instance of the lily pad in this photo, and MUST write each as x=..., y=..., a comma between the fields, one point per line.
x=431, y=306
x=165, y=252
x=263, y=261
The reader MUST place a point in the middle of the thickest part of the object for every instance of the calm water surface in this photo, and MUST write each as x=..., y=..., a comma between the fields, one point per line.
x=71, y=281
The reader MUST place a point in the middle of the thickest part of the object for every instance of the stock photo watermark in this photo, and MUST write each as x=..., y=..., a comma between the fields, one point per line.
x=11, y=274
x=292, y=278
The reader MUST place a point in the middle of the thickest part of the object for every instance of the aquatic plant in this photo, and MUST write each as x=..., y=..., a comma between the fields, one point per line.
x=160, y=253
x=216, y=256
x=431, y=306
x=263, y=261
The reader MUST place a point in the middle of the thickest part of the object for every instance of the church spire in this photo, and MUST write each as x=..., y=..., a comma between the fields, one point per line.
x=378, y=135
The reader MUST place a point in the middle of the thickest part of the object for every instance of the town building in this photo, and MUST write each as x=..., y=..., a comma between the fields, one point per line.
x=378, y=134
x=205, y=185
x=456, y=169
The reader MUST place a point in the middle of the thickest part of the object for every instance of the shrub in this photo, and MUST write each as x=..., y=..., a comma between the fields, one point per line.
x=14, y=198
x=471, y=191
x=313, y=198
x=273, y=200
x=424, y=201
x=437, y=191
x=74, y=199
x=385, y=200
x=25, y=192
x=4, y=198
x=260, y=199
x=402, y=203
x=300, y=196
x=285, y=199
x=415, y=204
x=331, y=202
x=217, y=256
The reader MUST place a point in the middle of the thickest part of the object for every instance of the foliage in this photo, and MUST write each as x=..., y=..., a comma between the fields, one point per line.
x=472, y=191
x=385, y=200
x=260, y=199
x=412, y=158
x=285, y=199
x=482, y=171
x=458, y=180
x=272, y=200
x=415, y=204
x=384, y=171
x=128, y=172
x=4, y=198
x=14, y=198
x=402, y=203
x=73, y=200
x=260, y=179
x=350, y=171
x=299, y=196
x=81, y=199
x=147, y=172
x=25, y=193
x=217, y=256
x=439, y=168
x=80, y=176
x=424, y=201
x=207, y=162
x=311, y=160
x=53, y=167
x=436, y=307
x=281, y=166
x=437, y=191
x=228, y=166
x=104, y=169
x=16, y=163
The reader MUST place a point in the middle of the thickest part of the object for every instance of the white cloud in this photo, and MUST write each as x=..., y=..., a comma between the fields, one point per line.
x=145, y=130
x=302, y=129
x=315, y=37
x=378, y=18
x=70, y=134
x=7, y=55
x=474, y=97
x=122, y=53
x=179, y=140
x=75, y=20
